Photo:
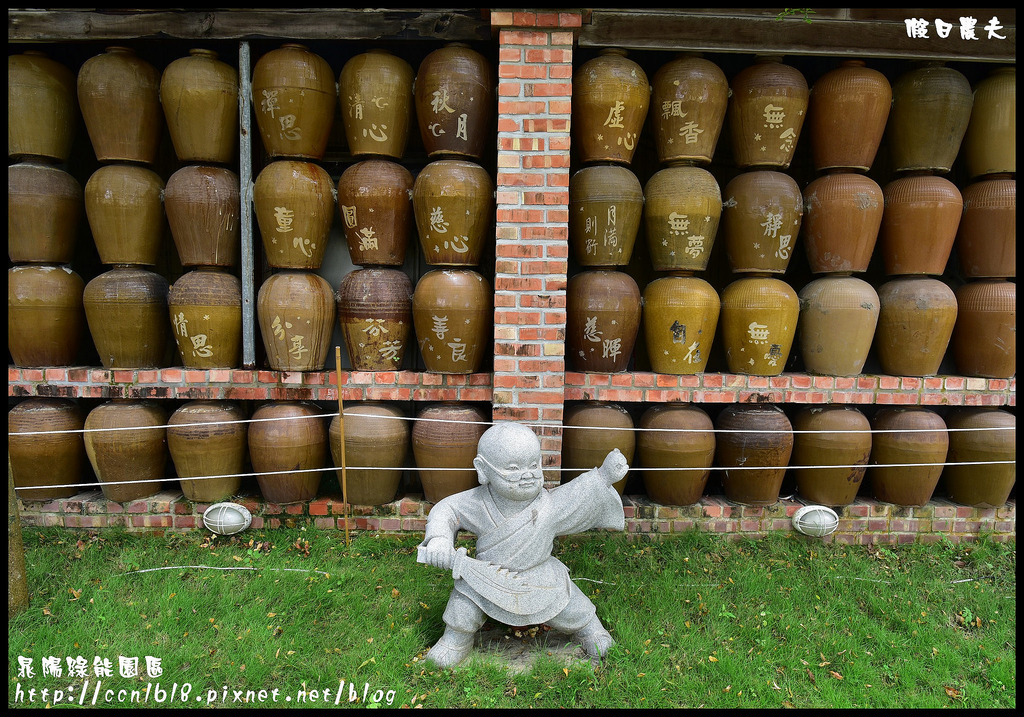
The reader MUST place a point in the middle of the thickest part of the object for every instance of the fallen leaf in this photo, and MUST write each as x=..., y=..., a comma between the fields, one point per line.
x=395, y=593
x=954, y=694
x=810, y=676
x=566, y=671
x=835, y=674
x=712, y=658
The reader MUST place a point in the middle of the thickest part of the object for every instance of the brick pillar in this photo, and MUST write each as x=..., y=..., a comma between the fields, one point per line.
x=534, y=90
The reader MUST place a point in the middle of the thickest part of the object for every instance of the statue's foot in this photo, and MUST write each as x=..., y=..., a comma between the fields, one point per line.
x=594, y=638
x=451, y=649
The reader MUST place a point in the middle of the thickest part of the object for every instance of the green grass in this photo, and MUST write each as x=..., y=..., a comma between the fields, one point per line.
x=699, y=621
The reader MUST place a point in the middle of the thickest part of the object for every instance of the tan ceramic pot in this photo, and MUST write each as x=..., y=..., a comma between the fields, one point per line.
x=758, y=324
x=44, y=208
x=124, y=205
x=46, y=460
x=984, y=339
x=129, y=464
x=825, y=436
x=376, y=446
x=294, y=203
x=679, y=440
x=915, y=325
x=603, y=310
x=203, y=206
x=44, y=315
x=208, y=443
x=453, y=318
x=919, y=224
x=126, y=308
x=375, y=201
x=931, y=108
x=296, y=316
x=766, y=112
x=288, y=446
x=753, y=445
x=838, y=316
x=590, y=431
x=453, y=204
x=986, y=240
x=761, y=218
x=916, y=437
x=444, y=437
x=605, y=205
x=680, y=316
x=682, y=208
x=206, y=316
x=985, y=437
x=842, y=217
x=455, y=101
x=689, y=96
x=990, y=144
x=38, y=86
x=199, y=95
x=846, y=116
x=611, y=96
x=375, y=314
x=375, y=92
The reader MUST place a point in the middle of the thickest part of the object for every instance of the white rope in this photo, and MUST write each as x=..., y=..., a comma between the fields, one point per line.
x=214, y=567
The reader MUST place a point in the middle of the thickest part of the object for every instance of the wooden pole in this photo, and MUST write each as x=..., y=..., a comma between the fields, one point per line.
x=341, y=439
x=17, y=584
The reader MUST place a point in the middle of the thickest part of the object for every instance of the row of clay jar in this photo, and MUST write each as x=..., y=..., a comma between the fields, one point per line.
x=902, y=451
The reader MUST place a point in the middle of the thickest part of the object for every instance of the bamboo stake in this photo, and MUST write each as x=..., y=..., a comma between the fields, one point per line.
x=17, y=583
x=341, y=438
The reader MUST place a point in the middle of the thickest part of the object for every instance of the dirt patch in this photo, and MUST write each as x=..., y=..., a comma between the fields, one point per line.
x=517, y=648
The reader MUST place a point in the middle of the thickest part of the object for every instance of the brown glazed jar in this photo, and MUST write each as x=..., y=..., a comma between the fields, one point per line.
x=296, y=316
x=453, y=318
x=984, y=339
x=981, y=436
x=206, y=316
x=125, y=208
x=606, y=202
x=119, y=95
x=680, y=316
x=455, y=101
x=46, y=460
x=986, y=240
x=682, y=208
x=288, y=446
x=689, y=96
x=842, y=216
x=846, y=116
x=375, y=201
x=44, y=315
x=375, y=92
x=129, y=464
x=602, y=322
x=838, y=316
x=44, y=208
x=753, y=445
x=919, y=224
x=914, y=436
x=761, y=218
x=375, y=314
x=203, y=206
x=294, y=205
x=208, y=440
x=126, y=309
x=681, y=439
x=590, y=431
x=294, y=98
x=199, y=95
x=611, y=96
x=759, y=318
x=830, y=436
x=38, y=86
x=444, y=436
x=766, y=112
x=990, y=144
x=376, y=445
x=915, y=325
x=453, y=203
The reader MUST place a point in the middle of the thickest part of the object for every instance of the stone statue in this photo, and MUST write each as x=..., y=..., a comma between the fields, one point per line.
x=514, y=579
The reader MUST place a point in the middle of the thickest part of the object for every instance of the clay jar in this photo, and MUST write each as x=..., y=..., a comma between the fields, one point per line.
x=375, y=92
x=44, y=315
x=993, y=439
x=119, y=95
x=842, y=217
x=605, y=205
x=931, y=107
x=689, y=96
x=766, y=113
x=838, y=316
x=680, y=316
x=296, y=316
x=375, y=200
x=914, y=436
x=123, y=459
x=753, y=445
x=990, y=144
x=590, y=431
x=444, y=437
x=682, y=440
x=602, y=322
x=846, y=116
x=375, y=314
x=294, y=203
x=38, y=86
x=914, y=325
x=199, y=95
x=454, y=100
x=683, y=206
x=46, y=460
x=376, y=445
x=44, y=207
x=287, y=445
x=452, y=315
x=611, y=96
x=207, y=441
x=453, y=202
x=758, y=323
x=206, y=316
x=203, y=206
x=126, y=308
x=826, y=436
x=986, y=240
x=984, y=337
x=124, y=205
x=761, y=218
x=919, y=224
x=294, y=96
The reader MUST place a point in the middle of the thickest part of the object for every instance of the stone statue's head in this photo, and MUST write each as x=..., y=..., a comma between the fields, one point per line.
x=509, y=461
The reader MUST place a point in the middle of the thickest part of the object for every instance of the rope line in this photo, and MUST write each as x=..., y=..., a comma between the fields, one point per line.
x=214, y=567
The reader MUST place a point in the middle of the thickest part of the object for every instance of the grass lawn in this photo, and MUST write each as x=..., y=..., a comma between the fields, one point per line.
x=786, y=621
